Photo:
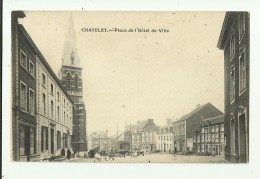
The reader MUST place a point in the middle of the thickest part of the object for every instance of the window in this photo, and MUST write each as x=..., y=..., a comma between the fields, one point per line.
x=64, y=102
x=44, y=139
x=68, y=81
x=222, y=138
x=51, y=109
x=31, y=68
x=232, y=84
x=202, y=130
x=212, y=128
x=198, y=138
x=23, y=96
x=217, y=137
x=31, y=102
x=58, y=95
x=212, y=137
x=232, y=46
x=43, y=103
x=23, y=59
x=43, y=80
x=64, y=118
x=241, y=25
x=58, y=140
x=58, y=112
x=216, y=128
x=76, y=82
x=242, y=71
x=222, y=127
x=202, y=138
x=52, y=89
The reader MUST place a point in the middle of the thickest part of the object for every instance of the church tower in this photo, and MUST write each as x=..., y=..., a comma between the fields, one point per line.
x=71, y=79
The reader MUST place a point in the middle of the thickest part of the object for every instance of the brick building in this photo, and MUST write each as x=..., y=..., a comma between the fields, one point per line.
x=24, y=128
x=210, y=136
x=187, y=124
x=234, y=41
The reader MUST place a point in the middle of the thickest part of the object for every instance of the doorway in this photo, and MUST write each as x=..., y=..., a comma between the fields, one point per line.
x=52, y=141
x=242, y=138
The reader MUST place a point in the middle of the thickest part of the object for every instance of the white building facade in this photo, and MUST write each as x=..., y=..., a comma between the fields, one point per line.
x=54, y=112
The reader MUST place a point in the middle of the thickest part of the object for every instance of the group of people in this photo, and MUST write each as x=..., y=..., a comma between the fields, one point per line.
x=62, y=153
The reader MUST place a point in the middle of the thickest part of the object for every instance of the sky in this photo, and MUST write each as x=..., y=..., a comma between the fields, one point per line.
x=131, y=76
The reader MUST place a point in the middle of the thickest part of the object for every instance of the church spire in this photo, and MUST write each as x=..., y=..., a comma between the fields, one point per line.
x=70, y=55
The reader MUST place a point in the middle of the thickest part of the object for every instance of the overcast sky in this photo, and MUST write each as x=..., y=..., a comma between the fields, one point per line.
x=136, y=76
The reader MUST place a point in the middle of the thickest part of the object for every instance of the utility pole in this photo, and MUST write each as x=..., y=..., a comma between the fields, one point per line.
x=117, y=137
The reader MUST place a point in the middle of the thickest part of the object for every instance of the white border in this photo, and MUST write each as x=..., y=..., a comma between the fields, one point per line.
x=75, y=170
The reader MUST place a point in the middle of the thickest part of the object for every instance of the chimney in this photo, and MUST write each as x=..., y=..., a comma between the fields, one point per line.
x=150, y=120
x=198, y=105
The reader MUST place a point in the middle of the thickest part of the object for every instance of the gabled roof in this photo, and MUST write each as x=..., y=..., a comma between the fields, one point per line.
x=185, y=117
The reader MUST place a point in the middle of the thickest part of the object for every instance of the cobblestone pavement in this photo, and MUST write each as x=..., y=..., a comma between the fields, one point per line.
x=158, y=158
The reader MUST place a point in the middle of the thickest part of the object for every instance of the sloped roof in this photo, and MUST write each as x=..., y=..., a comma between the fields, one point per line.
x=185, y=117
x=214, y=120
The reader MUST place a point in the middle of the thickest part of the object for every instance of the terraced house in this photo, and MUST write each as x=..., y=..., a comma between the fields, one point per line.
x=42, y=111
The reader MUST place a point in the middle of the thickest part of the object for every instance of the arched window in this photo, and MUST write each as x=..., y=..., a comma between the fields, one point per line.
x=76, y=82
x=68, y=81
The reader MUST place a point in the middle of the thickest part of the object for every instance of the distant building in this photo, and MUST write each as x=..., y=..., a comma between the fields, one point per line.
x=141, y=137
x=149, y=132
x=187, y=124
x=119, y=143
x=71, y=79
x=234, y=41
x=210, y=136
x=100, y=139
x=165, y=137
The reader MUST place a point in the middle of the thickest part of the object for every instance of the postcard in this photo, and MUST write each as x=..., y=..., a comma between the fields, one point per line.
x=127, y=86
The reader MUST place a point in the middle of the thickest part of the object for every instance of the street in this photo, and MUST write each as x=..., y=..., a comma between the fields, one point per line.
x=158, y=158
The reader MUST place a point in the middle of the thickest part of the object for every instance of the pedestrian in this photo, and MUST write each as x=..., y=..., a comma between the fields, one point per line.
x=62, y=153
x=68, y=154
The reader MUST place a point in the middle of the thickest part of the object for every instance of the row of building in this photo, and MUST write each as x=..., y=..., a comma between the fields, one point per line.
x=200, y=131
x=48, y=113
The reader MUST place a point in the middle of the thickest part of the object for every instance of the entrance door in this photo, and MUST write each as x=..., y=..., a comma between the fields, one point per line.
x=242, y=138
x=52, y=141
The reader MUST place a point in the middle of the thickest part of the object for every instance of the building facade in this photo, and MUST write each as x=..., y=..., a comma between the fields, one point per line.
x=54, y=111
x=234, y=41
x=165, y=137
x=24, y=122
x=187, y=124
x=210, y=137
x=71, y=79
x=41, y=122
x=142, y=136
x=148, y=134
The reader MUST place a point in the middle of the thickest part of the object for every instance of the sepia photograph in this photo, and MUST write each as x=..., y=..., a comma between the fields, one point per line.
x=130, y=87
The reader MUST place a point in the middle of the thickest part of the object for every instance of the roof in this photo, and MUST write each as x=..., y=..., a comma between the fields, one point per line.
x=227, y=23
x=185, y=117
x=213, y=120
x=44, y=61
